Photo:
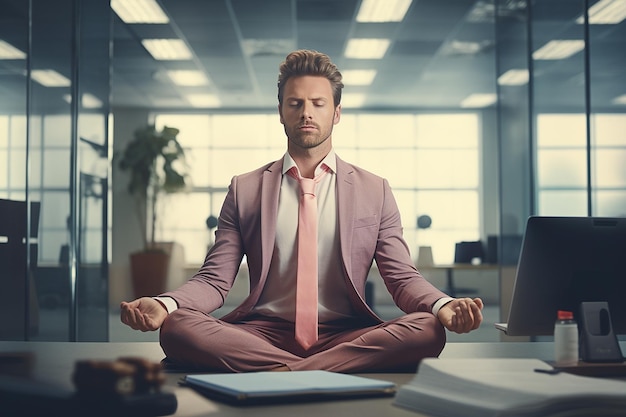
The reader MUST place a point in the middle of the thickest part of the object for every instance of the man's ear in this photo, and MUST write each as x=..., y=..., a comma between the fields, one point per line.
x=280, y=114
x=337, y=116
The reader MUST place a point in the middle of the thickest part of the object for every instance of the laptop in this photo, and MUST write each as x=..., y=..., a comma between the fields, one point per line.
x=563, y=262
x=284, y=387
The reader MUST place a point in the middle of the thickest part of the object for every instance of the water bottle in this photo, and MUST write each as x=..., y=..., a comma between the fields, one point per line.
x=565, y=339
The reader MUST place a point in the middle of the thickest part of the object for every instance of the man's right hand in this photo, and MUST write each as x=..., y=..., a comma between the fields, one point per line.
x=145, y=314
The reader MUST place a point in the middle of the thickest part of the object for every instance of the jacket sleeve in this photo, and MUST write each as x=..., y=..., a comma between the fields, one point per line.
x=409, y=289
x=208, y=288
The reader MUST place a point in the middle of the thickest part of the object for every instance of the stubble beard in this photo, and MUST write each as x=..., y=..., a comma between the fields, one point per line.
x=308, y=140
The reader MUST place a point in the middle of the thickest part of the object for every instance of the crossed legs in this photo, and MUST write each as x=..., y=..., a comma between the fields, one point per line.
x=192, y=338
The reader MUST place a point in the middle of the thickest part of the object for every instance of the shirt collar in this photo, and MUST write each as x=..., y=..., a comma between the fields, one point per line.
x=330, y=161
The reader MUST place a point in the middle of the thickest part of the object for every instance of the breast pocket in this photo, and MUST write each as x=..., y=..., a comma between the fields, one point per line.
x=369, y=221
x=365, y=236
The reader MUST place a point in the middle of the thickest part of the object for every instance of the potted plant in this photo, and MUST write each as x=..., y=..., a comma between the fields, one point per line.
x=156, y=163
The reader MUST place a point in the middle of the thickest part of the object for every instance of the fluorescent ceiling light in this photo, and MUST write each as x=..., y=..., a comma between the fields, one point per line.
x=365, y=48
x=353, y=100
x=139, y=11
x=50, y=78
x=8, y=51
x=203, y=100
x=88, y=101
x=479, y=100
x=559, y=49
x=620, y=99
x=358, y=77
x=456, y=47
x=383, y=10
x=188, y=78
x=514, y=77
x=167, y=49
x=605, y=12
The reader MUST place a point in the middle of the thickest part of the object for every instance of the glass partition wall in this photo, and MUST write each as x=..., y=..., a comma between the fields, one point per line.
x=578, y=107
x=54, y=157
x=561, y=125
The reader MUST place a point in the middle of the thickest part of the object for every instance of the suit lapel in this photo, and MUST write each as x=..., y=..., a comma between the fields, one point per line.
x=270, y=191
x=345, y=211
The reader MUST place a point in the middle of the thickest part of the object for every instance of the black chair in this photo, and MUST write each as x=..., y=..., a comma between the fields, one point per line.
x=19, y=313
x=466, y=252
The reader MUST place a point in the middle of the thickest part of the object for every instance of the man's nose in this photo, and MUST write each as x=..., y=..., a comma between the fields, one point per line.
x=306, y=110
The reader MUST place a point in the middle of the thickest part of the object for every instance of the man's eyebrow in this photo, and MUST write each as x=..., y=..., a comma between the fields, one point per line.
x=312, y=98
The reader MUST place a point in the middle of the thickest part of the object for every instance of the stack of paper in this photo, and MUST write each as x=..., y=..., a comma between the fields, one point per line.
x=508, y=388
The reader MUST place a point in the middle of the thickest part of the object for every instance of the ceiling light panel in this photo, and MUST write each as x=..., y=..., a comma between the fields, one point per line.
x=188, y=78
x=383, y=10
x=358, y=77
x=514, y=77
x=50, y=78
x=203, y=100
x=167, y=49
x=606, y=12
x=620, y=100
x=139, y=11
x=88, y=101
x=559, y=49
x=8, y=51
x=479, y=100
x=367, y=48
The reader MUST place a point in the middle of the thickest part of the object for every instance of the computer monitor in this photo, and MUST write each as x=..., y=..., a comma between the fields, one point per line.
x=565, y=261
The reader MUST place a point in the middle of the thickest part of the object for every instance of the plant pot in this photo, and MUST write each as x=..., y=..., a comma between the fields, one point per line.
x=149, y=271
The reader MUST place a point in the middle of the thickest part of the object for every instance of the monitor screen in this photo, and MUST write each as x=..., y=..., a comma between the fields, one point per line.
x=565, y=261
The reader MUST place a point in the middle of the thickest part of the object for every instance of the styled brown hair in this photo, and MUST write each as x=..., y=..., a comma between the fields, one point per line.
x=307, y=62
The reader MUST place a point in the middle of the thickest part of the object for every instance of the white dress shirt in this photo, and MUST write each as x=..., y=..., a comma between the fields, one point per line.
x=278, y=297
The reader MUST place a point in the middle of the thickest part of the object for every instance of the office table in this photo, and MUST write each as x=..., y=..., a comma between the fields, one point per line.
x=54, y=363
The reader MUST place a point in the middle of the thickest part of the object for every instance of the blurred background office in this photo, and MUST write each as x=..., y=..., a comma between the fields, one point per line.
x=479, y=113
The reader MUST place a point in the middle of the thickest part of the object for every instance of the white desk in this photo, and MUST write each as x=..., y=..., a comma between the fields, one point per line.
x=55, y=363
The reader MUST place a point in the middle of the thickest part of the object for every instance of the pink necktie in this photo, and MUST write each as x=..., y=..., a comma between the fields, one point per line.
x=307, y=275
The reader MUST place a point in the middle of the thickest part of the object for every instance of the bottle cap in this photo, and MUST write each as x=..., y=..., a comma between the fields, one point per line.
x=565, y=315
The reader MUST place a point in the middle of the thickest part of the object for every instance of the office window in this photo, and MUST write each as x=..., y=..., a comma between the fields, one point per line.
x=430, y=160
x=48, y=176
x=561, y=173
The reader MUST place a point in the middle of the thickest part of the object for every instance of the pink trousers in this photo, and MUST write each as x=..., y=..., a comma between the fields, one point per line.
x=194, y=339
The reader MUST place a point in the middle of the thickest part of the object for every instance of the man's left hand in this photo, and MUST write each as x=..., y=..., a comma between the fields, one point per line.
x=461, y=315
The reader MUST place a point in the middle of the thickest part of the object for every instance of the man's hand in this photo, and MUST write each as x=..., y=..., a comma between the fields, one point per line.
x=145, y=314
x=461, y=315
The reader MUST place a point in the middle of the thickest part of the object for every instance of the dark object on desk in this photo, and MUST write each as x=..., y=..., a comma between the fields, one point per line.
x=566, y=261
x=286, y=387
x=593, y=369
x=22, y=397
x=125, y=387
x=124, y=376
x=597, y=341
x=466, y=252
x=16, y=363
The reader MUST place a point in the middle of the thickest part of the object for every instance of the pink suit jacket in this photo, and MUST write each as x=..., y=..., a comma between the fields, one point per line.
x=369, y=228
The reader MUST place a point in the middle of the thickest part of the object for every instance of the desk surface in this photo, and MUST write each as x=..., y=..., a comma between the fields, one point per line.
x=55, y=363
